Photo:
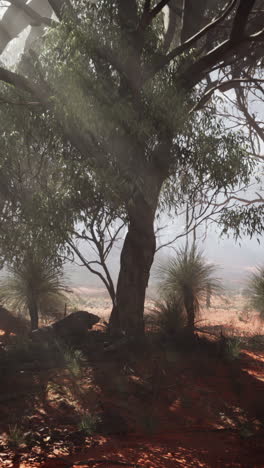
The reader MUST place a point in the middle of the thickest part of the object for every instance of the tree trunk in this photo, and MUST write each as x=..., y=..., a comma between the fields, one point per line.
x=208, y=297
x=33, y=312
x=135, y=263
x=140, y=243
x=190, y=311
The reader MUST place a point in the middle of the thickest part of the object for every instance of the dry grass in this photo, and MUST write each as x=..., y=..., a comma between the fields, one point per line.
x=229, y=312
x=233, y=315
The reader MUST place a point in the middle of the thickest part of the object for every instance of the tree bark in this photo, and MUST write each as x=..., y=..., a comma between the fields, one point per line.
x=135, y=263
x=189, y=304
x=33, y=312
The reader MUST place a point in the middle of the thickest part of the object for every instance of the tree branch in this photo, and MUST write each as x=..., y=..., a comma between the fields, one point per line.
x=149, y=15
x=84, y=143
x=240, y=21
x=19, y=103
x=157, y=9
x=195, y=72
x=147, y=6
x=58, y=7
x=88, y=266
x=188, y=44
x=225, y=86
x=245, y=201
x=249, y=118
x=22, y=83
x=37, y=19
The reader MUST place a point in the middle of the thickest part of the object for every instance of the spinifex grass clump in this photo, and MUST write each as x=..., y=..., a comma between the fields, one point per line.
x=184, y=284
x=232, y=347
x=73, y=360
x=168, y=316
x=89, y=423
x=16, y=435
x=255, y=291
x=35, y=285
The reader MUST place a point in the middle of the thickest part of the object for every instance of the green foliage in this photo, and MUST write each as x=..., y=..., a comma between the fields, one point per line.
x=56, y=199
x=255, y=291
x=232, y=347
x=243, y=220
x=34, y=278
x=88, y=424
x=168, y=316
x=186, y=279
x=256, y=343
x=73, y=360
x=30, y=174
x=16, y=435
x=127, y=134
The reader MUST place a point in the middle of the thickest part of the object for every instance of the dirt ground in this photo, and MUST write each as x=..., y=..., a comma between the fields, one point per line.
x=159, y=408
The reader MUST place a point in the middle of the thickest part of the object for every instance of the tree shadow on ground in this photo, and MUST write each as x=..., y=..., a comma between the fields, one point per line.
x=134, y=394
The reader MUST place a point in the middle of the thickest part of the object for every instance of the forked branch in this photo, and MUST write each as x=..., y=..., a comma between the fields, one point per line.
x=225, y=86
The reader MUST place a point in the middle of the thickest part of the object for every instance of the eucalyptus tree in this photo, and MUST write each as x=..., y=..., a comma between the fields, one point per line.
x=124, y=85
x=50, y=202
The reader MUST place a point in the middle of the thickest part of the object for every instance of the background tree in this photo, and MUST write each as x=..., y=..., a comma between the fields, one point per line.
x=124, y=90
x=52, y=200
x=101, y=230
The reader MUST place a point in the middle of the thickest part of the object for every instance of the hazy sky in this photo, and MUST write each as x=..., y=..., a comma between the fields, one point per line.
x=235, y=260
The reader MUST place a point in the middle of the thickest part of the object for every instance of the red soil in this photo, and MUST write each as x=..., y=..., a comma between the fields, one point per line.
x=202, y=409
x=192, y=449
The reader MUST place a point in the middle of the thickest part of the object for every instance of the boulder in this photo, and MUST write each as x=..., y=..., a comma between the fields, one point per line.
x=74, y=327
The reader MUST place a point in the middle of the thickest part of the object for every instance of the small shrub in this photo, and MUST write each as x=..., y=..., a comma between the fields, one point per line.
x=35, y=285
x=255, y=291
x=73, y=361
x=88, y=424
x=16, y=435
x=256, y=343
x=168, y=316
x=244, y=316
x=188, y=278
x=232, y=347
